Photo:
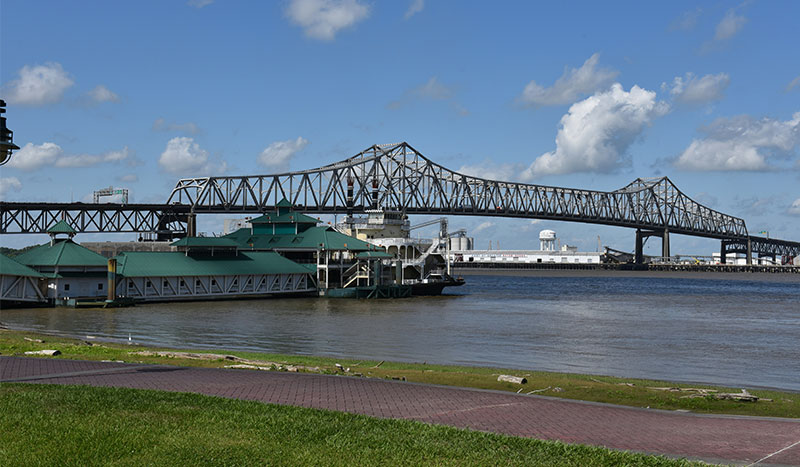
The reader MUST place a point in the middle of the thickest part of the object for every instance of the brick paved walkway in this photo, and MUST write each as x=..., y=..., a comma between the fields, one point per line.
x=727, y=439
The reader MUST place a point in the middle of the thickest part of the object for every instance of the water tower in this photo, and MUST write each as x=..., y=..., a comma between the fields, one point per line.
x=547, y=240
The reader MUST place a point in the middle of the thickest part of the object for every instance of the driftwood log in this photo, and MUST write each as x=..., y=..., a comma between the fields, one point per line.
x=43, y=352
x=512, y=379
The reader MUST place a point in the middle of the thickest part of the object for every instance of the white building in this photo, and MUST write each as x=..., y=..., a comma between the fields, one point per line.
x=548, y=254
x=740, y=259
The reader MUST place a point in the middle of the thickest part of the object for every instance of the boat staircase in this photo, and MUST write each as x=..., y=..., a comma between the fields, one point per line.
x=354, y=273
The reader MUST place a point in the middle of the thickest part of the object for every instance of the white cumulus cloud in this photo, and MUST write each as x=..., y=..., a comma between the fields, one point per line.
x=730, y=25
x=415, y=7
x=693, y=90
x=101, y=93
x=184, y=157
x=277, y=155
x=570, y=86
x=741, y=143
x=595, y=134
x=323, y=19
x=794, y=209
x=32, y=157
x=38, y=85
x=89, y=160
x=9, y=184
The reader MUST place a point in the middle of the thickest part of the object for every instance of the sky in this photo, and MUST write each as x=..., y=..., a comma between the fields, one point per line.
x=586, y=95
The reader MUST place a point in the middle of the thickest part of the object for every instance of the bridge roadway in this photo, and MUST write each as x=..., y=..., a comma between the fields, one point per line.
x=398, y=177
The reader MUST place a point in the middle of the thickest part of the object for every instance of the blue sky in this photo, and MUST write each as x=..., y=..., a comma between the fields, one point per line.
x=584, y=94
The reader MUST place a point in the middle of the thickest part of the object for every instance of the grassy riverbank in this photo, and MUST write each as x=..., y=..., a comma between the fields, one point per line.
x=623, y=391
x=75, y=425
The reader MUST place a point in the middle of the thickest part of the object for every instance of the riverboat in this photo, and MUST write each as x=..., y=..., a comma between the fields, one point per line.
x=418, y=262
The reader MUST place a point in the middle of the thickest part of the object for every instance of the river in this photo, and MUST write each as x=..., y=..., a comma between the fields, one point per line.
x=738, y=333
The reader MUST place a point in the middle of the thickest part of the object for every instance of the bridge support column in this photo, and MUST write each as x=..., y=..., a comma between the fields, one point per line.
x=638, y=256
x=722, y=252
x=191, y=225
x=749, y=252
x=349, y=198
x=665, y=244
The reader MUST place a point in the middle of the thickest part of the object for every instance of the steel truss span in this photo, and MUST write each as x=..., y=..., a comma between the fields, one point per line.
x=399, y=177
x=763, y=246
x=84, y=217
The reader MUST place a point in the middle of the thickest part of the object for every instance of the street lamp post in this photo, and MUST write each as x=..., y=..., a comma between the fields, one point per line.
x=6, y=137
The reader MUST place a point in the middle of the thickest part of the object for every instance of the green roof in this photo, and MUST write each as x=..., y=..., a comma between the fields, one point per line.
x=9, y=267
x=284, y=203
x=175, y=263
x=63, y=252
x=288, y=218
x=62, y=274
x=205, y=242
x=61, y=227
x=312, y=239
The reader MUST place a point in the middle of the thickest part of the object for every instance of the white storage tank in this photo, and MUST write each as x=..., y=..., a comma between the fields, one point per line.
x=460, y=243
x=547, y=240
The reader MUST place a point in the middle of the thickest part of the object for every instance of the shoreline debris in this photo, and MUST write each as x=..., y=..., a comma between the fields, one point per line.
x=743, y=396
x=50, y=353
x=512, y=379
x=242, y=362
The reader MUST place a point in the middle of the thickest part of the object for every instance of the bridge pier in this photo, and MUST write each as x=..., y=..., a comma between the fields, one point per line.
x=191, y=225
x=641, y=235
x=749, y=252
x=349, y=199
x=638, y=256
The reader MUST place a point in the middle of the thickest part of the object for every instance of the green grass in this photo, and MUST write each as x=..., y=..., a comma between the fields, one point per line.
x=623, y=391
x=78, y=425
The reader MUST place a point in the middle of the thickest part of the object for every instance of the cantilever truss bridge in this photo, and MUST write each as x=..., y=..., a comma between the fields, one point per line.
x=398, y=177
